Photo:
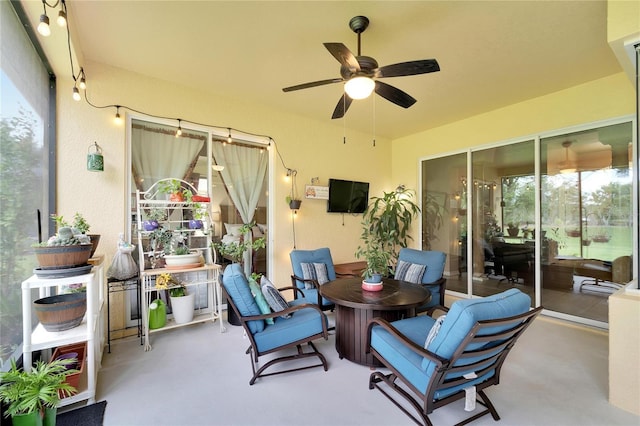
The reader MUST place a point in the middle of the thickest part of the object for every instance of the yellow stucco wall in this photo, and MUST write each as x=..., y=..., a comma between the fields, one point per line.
x=594, y=101
x=314, y=148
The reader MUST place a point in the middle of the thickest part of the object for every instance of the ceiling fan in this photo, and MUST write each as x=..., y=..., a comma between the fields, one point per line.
x=361, y=74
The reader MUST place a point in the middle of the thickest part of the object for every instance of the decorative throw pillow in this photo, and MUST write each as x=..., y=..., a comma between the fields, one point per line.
x=273, y=296
x=410, y=272
x=434, y=331
x=260, y=300
x=314, y=271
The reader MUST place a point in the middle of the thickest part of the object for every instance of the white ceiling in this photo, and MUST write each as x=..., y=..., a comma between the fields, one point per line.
x=491, y=53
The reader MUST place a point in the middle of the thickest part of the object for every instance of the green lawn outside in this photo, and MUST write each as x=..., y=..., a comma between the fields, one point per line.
x=620, y=243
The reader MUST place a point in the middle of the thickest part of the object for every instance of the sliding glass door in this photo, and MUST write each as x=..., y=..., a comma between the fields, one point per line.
x=559, y=229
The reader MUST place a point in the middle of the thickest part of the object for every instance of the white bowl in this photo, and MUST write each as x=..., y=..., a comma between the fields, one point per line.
x=182, y=259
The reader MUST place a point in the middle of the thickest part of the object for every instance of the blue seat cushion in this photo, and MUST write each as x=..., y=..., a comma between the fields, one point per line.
x=237, y=287
x=302, y=324
x=465, y=313
x=407, y=362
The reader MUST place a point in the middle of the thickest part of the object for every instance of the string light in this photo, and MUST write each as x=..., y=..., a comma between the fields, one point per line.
x=43, y=26
x=229, y=140
x=76, y=94
x=179, y=131
x=117, y=120
x=62, y=15
x=83, y=82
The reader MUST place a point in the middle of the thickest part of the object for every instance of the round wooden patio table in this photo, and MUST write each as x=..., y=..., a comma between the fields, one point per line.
x=355, y=307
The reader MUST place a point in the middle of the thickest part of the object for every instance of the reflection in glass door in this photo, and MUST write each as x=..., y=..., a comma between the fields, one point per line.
x=587, y=220
x=503, y=219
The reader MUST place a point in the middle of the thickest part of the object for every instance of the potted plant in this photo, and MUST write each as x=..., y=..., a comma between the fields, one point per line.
x=176, y=192
x=235, y=250
x=153, y=216
x=377, y=259
x=64, y=250
x=32, y=396
x=387, y=220
x=512, y=229
x=79, y=226
x=199, y=213
x=182, y=301
x=294, y=204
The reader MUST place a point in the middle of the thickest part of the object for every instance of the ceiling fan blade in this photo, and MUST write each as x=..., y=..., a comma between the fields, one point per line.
x=343, y=105
x=343, y=55
x=408, y=68
x=395, y=95
x=312, y=84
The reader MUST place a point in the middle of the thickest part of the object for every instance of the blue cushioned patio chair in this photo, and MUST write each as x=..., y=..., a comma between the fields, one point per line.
x=467, y=352
x=433, y=275
x=321, y=255
x=306, y=323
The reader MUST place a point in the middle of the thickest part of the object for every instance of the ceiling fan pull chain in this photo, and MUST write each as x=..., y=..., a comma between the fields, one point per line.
x=344, y=123
x=374, y=121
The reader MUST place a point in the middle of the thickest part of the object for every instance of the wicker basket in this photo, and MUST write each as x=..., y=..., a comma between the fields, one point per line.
x=60, y=257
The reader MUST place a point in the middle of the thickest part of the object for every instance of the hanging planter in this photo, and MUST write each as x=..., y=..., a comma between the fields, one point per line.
x=295, y=204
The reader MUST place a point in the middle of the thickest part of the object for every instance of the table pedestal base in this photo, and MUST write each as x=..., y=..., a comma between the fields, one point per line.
x=351, y=331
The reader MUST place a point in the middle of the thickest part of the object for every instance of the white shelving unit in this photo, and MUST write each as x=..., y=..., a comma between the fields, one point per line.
x=91, y=330
x=202, y=279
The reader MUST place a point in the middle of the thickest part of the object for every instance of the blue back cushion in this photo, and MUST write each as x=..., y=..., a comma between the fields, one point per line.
x=237, y=287
x=321, y=255
x=433, y=259
x=465, y=313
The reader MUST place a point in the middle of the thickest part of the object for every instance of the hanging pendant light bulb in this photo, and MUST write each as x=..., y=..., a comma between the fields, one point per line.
x=83, y=82
x=179, y=131
x=62, y=18
x=229, y=140
x=117, y=120
x=76, y=94
x=43, y=26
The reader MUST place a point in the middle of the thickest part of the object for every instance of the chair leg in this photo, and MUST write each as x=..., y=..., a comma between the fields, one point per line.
x=299, y=355
x=389, y=379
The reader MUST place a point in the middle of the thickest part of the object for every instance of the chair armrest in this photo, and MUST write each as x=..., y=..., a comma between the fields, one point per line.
x=313, y=282
x=403, y=340
x=294, y=288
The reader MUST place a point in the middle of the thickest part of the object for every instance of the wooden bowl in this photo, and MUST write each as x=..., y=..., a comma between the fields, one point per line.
x=61, y=312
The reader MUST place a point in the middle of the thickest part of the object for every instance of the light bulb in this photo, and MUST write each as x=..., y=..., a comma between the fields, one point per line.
x=43, y=26
x=76, y=94
x=117, y=119
x=62, y=18
x=229, y=140
x=359, y=87
x=83, y=83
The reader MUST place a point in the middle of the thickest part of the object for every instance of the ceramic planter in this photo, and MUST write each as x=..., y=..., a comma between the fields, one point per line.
x=182, y=308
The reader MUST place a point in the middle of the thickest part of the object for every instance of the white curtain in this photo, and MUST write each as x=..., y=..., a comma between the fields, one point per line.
x=156, y=154
x=243, y=175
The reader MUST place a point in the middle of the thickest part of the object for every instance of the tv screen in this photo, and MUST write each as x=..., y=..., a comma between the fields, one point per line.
x=347, y=196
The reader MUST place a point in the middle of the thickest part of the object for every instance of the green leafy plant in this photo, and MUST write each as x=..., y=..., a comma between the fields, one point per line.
x=387, y=220
x=79, y=223
x=33, y=391
x=377, y=257
x=174, y=186
x=235, y=250
x=156, y=213
x=181, y=250
x=160, y=238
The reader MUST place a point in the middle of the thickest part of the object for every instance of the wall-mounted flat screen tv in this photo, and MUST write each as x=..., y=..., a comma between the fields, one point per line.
x=347, y=196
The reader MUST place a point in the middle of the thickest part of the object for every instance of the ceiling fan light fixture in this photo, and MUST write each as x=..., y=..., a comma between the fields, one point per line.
x=359, y=87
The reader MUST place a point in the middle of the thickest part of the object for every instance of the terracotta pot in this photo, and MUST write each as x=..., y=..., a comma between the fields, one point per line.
x=61, y=312
x=59, y=257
